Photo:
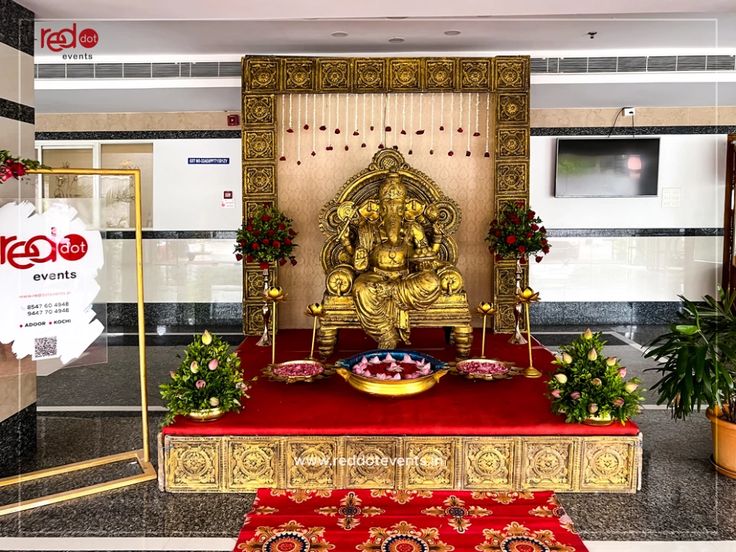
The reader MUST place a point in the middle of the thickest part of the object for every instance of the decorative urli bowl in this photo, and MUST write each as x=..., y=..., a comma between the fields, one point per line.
x=295, y=371
x=487, y=369
x=375, y=372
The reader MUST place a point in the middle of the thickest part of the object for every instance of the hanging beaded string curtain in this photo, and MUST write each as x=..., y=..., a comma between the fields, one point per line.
x=427, y=106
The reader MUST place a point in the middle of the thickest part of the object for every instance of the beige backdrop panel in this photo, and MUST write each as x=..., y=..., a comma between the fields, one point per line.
x=304, y=188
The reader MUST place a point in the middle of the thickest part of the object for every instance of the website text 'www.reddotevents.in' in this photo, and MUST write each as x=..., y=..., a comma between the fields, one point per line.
x=370, y=461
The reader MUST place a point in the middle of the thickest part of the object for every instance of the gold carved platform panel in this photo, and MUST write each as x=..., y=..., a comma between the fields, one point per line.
x=231, y=464
x=506, y=78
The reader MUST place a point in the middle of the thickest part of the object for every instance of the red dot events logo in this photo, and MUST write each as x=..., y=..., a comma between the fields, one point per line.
x=67, y=38
x=24, y=254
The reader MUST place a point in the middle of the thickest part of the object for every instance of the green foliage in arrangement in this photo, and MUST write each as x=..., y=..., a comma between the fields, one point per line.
x=698, y=358
x=209, y=376
x=588, y=384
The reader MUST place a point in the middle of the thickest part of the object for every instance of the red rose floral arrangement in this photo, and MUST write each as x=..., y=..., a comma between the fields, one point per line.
x=266, y=237
x=517, y=233
x=14, y=167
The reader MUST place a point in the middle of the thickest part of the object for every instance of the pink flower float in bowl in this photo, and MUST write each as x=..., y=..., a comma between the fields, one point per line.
x=294, y=371
x=487, y=369
x=393, y=373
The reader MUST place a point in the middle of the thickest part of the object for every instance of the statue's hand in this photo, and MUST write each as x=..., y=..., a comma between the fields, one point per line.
x=360, y=260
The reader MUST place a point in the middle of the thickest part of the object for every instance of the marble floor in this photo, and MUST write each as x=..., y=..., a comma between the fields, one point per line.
x=683, y=504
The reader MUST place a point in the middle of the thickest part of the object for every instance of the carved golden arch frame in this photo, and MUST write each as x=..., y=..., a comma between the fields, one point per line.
x=506, y=78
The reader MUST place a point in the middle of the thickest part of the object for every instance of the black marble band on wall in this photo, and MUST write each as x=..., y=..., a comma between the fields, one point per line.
x=565, y=313
x=140, y=135
x=16, y=26
x=635, y=131
x=221, y=134
x=197, y=315
x=18, y=112
x=201, y=315
x=17, y=439
x=172, y=235
x=551, y=232
x=633, y=232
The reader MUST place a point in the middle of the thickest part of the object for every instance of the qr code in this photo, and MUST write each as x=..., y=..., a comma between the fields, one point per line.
x=44, y=347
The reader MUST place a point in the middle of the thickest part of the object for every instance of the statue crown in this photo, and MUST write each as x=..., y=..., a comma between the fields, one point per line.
x=392, y=187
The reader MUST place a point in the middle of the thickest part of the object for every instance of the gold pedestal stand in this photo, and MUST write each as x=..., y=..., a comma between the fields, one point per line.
x=526, y=298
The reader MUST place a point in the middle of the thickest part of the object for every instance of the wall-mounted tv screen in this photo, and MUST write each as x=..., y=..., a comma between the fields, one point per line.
x=607, y=167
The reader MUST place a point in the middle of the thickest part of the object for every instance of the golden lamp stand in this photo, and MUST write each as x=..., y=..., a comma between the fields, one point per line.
x=141, y=456
x=526, y=297
x=274, y=295
x=316, y=311
x=485, y=309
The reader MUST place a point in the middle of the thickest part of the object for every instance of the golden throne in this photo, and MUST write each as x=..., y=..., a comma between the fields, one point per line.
x=429, y=216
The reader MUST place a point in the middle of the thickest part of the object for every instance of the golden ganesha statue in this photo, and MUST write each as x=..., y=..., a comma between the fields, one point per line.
x=390, y=258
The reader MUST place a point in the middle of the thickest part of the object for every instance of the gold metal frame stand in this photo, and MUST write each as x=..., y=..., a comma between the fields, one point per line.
x=143, y=455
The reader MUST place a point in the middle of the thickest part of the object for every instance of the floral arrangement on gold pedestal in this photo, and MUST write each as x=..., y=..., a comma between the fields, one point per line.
x=15, y=167
x=591, y=388
x=517, y=234
x=266, y=237
x=208, y=382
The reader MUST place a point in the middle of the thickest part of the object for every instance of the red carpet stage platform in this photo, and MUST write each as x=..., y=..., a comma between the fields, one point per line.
x=461, y=434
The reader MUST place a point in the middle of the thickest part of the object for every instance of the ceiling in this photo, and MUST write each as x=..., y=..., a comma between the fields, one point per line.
x=224, y=30
x=331, y=9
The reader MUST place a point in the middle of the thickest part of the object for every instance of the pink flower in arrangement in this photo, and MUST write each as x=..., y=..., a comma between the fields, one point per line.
x=575, y=395
x=213, y=364
x=618, y=403
x=622, y=372
x=556, y=393
x=200, y=384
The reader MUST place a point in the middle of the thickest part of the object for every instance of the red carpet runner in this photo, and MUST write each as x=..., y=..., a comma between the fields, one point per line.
x=406, y=521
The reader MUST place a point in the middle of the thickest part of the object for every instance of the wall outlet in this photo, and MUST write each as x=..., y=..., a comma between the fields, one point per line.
x=629, y=111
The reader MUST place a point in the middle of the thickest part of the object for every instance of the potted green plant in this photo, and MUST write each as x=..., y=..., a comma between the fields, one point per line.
x=698, y=367
x=591, y=388
x=208, y=382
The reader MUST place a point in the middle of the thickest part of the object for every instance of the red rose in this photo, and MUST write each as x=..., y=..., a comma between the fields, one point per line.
x=5, y=173
x=249, y=259
x=522, y=249
x=511, y=239
x=271, y=232
x=514, y=219
x=18, y=169
x=287, y=241
x=291, y=232
x=282, y=226
x=545, y=249
x=530, y=214
x=265, y=241
x=242, y=243
x=529, y=234
x=263, y=265
x=535, y=227
x=544, y=241
x=265, y=218
x=254, y=246
x=282, y=262
x=543, y=230
x=538, y=258
x=276, y=244
x=238, y=256
x=249, y=228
